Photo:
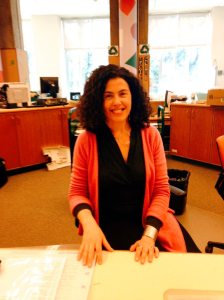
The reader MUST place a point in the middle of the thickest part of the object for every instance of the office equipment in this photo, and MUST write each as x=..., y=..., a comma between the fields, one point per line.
x=220, y=188
x=16, y=93
x=167, y=101
x=49, y=86
x=75, y=96
x=55, y=101
x=201, y=98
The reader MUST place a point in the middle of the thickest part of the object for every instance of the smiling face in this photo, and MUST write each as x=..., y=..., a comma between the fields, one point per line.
x=117, y=101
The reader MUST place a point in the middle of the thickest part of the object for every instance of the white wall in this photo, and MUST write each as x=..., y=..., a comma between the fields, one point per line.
x=47, y=49
x=218, y=44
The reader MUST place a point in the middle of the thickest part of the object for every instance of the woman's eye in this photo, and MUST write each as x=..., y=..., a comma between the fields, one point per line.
x=107, y=96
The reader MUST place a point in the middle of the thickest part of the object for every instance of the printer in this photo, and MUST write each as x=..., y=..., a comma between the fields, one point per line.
x=14, y=94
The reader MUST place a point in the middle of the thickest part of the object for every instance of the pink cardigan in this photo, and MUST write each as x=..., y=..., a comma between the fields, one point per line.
x=84, y=184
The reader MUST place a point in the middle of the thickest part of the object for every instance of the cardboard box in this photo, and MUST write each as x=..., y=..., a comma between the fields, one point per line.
x=215, y=97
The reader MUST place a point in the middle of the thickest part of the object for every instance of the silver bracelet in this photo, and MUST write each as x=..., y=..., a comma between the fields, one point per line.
x=151, y=232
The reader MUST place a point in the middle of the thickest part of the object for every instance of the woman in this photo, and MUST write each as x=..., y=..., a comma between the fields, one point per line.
x=119, y=190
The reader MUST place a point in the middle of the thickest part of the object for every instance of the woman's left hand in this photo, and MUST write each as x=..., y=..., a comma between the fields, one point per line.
x=145, y=249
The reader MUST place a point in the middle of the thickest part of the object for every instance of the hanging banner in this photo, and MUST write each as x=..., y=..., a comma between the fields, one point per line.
x=128, y=34
x=143, y=66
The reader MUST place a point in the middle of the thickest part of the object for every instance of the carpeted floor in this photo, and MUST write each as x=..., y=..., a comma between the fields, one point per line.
x=34, y=207
x=201, y=191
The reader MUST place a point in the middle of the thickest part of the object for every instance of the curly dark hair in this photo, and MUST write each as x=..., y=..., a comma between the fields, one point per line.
x=91, y=113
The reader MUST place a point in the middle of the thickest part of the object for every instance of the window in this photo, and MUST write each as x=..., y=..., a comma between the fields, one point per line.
x=86, y=44
x=180, y=58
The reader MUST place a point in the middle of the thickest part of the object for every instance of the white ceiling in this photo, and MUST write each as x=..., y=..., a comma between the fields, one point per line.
x=80, y=8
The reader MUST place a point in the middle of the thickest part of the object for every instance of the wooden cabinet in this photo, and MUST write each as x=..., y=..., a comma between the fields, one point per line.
x=218, y=129
x=200, y=137
x=29, y=131
x=24, y=132
x=9, y=140
x=194, y=129
x=179, y=131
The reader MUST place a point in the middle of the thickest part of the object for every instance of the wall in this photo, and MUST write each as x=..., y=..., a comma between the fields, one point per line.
x=47, y=50
x=218, y=44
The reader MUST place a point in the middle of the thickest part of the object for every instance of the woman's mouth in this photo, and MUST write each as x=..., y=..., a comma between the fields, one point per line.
x=117, y=111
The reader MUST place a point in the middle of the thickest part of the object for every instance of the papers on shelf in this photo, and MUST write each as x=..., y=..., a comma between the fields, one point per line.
x=60, y=157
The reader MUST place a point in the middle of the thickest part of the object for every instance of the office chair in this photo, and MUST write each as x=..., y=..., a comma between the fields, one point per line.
x=73, y=125
x=220, y=188
x=161, y=120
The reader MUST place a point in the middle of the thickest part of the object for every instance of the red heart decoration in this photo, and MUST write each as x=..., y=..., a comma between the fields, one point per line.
x=126, y=6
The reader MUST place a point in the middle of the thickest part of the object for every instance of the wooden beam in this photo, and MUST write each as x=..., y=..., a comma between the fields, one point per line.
x=10, y=25
x=114, y=29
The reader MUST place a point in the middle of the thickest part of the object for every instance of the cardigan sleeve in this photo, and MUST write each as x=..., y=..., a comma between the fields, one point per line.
x=157, y=186
x=78, y=189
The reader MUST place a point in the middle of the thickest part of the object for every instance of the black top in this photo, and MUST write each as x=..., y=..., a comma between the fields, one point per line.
x=121, y=189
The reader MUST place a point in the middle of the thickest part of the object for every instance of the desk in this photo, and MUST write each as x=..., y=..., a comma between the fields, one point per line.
x=155, y=118
x=121, y=278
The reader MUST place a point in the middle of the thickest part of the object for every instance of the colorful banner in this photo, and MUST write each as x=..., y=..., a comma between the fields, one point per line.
x=128, y=34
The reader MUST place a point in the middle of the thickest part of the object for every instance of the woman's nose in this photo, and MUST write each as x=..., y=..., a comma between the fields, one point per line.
x=116, y=99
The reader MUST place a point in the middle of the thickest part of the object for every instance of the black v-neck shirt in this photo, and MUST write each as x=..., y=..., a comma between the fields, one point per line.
x=121, y=189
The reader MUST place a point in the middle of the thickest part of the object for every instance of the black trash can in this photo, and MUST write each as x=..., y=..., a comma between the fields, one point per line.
x=3, y=172
x=178, y=197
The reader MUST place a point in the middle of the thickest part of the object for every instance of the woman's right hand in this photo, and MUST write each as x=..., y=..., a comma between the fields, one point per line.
x=92, y=241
